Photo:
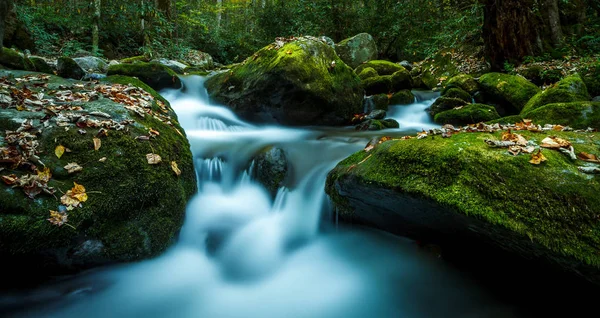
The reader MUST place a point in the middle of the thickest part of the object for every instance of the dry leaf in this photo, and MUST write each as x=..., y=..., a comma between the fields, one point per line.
x=73, y=167
x=175, y=168
x=10, y=180
x=59, y=151
x=57, y=218
x=103, y=159
x=97, y=144
x=44, y=175
x=74, y=196
x=554, y=142
x=153, y=159
x=537, y=158
x=154, y=132
x=588, y=157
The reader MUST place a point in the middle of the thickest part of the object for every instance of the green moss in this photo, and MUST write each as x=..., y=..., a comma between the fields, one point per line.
x=511, y=90
x=135, y=59
x=378, y=85
x=457, y=93
x=126, y=80
x=445, y=103
x=376, y=124
x=579, y=115
x=434, y=70
x=40, y=65
x=570, y=89
x=382, y=67
x=381, y=101
x=403, y=97
x=507, y=120
x=524, y=206
x=465, y=82
x=401, y=80
x=591, y=78
x=11, y=59
x=469, y=114
x=155, y=75
x=390, y=123
x=367, y=72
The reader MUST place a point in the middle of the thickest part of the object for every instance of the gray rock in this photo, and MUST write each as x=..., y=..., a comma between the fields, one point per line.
x=92, y=64
x=328, y=40
x=357, y=49
x=177, y=67
x=377, y=114
x=596, y=99
x=199, y=59
x=67, y=67
x=407, y=65
x=271, y=168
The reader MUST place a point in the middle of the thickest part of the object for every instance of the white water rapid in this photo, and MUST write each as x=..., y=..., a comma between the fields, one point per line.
x=242, y=253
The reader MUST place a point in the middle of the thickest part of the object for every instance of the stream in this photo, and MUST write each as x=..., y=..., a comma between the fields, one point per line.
x=243, y=253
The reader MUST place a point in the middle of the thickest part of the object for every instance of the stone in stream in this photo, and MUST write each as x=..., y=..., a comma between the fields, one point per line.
x=510, y=93
x=154, y=75
x=271, y=169
x=358, y=49
x=92, y=64
x=468, y=114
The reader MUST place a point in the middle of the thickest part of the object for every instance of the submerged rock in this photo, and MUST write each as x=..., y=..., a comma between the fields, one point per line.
x=569, y=89
x=132, y=209
x=299, y=82
x=459, y=189
x=356, y=50
x=154, y=75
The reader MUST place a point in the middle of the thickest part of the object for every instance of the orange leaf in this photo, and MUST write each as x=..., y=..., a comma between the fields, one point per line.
x=97, y=144
x=588, y=157
x=537, y=158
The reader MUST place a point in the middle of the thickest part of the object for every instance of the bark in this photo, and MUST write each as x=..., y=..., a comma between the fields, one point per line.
x=219, y=14
x=553, y=15
x=165, y=7
x=95, y=29
x=5, y=7
x=509, y=31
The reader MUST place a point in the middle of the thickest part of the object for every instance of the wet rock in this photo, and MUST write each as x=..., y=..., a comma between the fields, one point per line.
x=67, y=67
x=177, y=67
x=92, y=64
x=154, y=75
x=377, y=114
x=407, y=65
x=356, y=50
x=403, y=97
x=271, y=168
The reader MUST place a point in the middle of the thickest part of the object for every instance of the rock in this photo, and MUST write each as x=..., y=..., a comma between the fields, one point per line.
x=271, y=168
x=199, y=59
x=578, y=115
x=380, y=101
x=512, y=92
x=135, y=59
x=458, y=189
x=591, y=77
x=113, y=62
x=378, y=85
x=92, y=64
x=445, y=103
x=12, y=59
x=367, y=73
x=327, y=40
x=381, y=67
x=356, y=50
x=94, y=76
x=570, y=89
x=401, y=80
x=469, y=114
x=67, y=67
x=407, y=65
x=133, y=210
x=433, y=71
x=403, y=97
x=457, y=93
x=154, y=75
x=596, y=99
x=41, y=65
x=539, y=75
x=302, y=82
x=375, y=125
x=177, y=67
x=16, y=33
x=465, y=82
x=377, y=114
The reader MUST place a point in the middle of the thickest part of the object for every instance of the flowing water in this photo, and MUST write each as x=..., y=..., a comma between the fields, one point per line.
x=243, y=253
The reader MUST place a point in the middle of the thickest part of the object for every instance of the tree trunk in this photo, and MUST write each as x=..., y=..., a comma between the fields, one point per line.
x=556, y=33
x=165, y=7
x=219, y=14
x=509, y=31
x=96, y=21
x=5, y=7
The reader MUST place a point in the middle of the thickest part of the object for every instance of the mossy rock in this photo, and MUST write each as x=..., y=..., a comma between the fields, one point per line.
x=378, y=85
x=403, y=97
x=513, y=119
x=445, y=103
x=436, y=70
x=378, y=124
x=578, y=115
x=465, y=82
x=382, y=67
x=381, y=101
x=67, y=67
x=367, y=73
x=135, y=59
x=133, y=210
x=591, y=78
x=469, y=114
x=460, y=189
x=155, y=75
x=295, y=84
x=41, y=65
x=510, y=91
x=356, y=50
x=455, y=92
x=12, y=59
x=570, y=89
x=271, y=169
x=539, y=75
x=401, y=80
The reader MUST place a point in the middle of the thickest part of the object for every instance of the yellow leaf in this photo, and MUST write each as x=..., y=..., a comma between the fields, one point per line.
x=59, y=151
x=153, y=159
x=175, y=168
x=21, y=108
x=537, y=158
x=57, y=218
x=73, y=167
x=97, y=144
x=45, y=175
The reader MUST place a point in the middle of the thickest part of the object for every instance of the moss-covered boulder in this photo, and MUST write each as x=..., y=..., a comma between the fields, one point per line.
x=403, y=97
x=11, y=59
x=67, y=67
x=92, y=64
x=302, y=82
x=134, y=203
x=135, y=59
x=579, y=115
x=155, y=75
x=469, y=114
x=540, y=75
x=382, y=67
x=510, y=91
x=455, y=92
x=436, y=70
x=569, y=89
x=465, y=82
x=356, y=50
x=380, y=101
x=591, y=78
x=459, y=190
x=377, y=124
x=401, y=80
x=41, y=65
x=445, y=103
x=367, y=73
x=378, y=85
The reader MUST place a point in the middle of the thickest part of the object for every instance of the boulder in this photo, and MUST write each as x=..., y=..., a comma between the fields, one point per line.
x=299, y=82
x=377, y=114
x=381, y=67
x=67, y=67
x=539, y=75
x=465, y=82
x=569, y=89
x=403, y=97
x=270, y=169
x=591, y=77
x=445, y=103
x=434, y=71
x=378, y=85
x=469, y=114
x=177, y=67
x=460, y=190
x=132, y=208
x=11, y=59
x=199, y=59
x=377, y=124
x=154, y=75
x=407, y=65
x=380, y=101
x=455, y=92
x=578, y=115
x=16, y=32
x=41, y=65
x=512, y=92
x=92, y=64
x=356, y=50
x=367, y=73
x=401, y=80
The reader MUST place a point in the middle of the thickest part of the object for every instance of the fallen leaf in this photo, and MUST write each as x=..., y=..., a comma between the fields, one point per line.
x=588, y=157
x=73, y=167
x=554, y=142
x=154, y=132
x=103, y=159
x=175, y=168
x=537, y=158
x=59, y=151
x=74, y=196
x=153, y=159
x=45, y=175
x=57, y=218
x=97, y=143
x=10, y=180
